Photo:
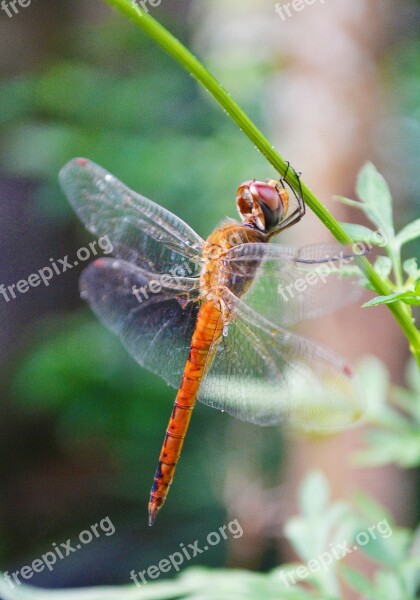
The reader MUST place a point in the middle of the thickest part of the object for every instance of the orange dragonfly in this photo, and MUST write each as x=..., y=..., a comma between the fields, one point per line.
x=209, y=316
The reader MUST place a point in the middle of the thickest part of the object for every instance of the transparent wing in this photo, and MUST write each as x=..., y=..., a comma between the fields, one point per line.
x=156, y=325
x=289, y=285
x=263, y=374
x=140, y=231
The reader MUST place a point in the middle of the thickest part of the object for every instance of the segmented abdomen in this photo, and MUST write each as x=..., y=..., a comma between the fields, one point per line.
x=208, y=329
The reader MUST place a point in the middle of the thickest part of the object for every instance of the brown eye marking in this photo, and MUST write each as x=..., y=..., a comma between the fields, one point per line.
x=262, y=203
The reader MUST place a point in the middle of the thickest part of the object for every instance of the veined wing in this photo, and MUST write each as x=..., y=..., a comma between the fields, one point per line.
x=293, y=284
x=155, y=325
x=140, y=231
x=264, y=374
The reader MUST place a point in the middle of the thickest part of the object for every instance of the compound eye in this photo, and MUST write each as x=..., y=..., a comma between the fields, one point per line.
x=263, y=204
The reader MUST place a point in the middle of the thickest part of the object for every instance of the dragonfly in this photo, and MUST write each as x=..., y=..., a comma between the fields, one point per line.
x=212, y=317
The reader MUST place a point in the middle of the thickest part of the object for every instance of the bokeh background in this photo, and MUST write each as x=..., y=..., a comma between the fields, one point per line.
x=81, y=424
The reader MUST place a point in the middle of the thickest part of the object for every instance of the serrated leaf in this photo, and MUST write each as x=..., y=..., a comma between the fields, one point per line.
x=358, y=233
x=411, y=268
x=385, y=447
x=409, y=233
x=374, y=192
x=381, y=300
x=383, y=266
x=413, y=300
x=407, y=297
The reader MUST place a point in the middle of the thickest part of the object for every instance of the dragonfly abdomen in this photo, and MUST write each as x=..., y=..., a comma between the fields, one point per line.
x=208, y=329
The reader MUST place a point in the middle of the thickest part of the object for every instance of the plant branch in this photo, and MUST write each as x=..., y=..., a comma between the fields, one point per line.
x=193, y=66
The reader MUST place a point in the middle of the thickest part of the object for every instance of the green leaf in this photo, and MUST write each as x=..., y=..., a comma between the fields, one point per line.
x=389, y=586
x=413, y=300
x=383, y=266
x=413, y=377
x=408, y=233
x=410, y=574
x=385, y=447
x=348, y=202
x=389, y=551
x=314, y=494
x=357, y=581
x=358, y=233
x=407, y=297
x=407, y=401
x=372, y=510
x=374, y=192
x=287, y=578
x=411, y=268
x=374, y=378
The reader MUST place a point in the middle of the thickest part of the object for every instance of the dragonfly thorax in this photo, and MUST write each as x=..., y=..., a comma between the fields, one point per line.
x=217, y=273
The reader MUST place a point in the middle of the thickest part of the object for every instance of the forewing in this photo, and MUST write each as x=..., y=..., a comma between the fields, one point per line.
x=264, y=374
x=141, y=232
x=290, y=285
x=156, y=328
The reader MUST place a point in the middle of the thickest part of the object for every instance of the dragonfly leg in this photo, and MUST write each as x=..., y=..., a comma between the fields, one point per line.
x=300, y=210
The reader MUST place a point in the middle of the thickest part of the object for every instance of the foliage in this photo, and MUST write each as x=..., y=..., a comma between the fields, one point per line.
x=322, y=535
x=376, y=204
x=151, y=142
x=93, y=394
x=394, y=432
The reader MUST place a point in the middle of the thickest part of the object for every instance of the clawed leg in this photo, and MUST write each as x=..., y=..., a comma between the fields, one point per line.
x=300, y=210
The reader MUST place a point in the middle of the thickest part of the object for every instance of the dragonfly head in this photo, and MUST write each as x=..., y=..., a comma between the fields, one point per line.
x=262, y=204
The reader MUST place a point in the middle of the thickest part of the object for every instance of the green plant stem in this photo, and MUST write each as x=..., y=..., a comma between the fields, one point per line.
x=191, y=64
x=395, y=256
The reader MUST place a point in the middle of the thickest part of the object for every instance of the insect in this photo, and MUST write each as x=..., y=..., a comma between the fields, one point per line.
x=209, y=316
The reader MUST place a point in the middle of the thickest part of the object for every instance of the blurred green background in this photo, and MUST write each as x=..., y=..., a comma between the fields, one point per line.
x=82, y=424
